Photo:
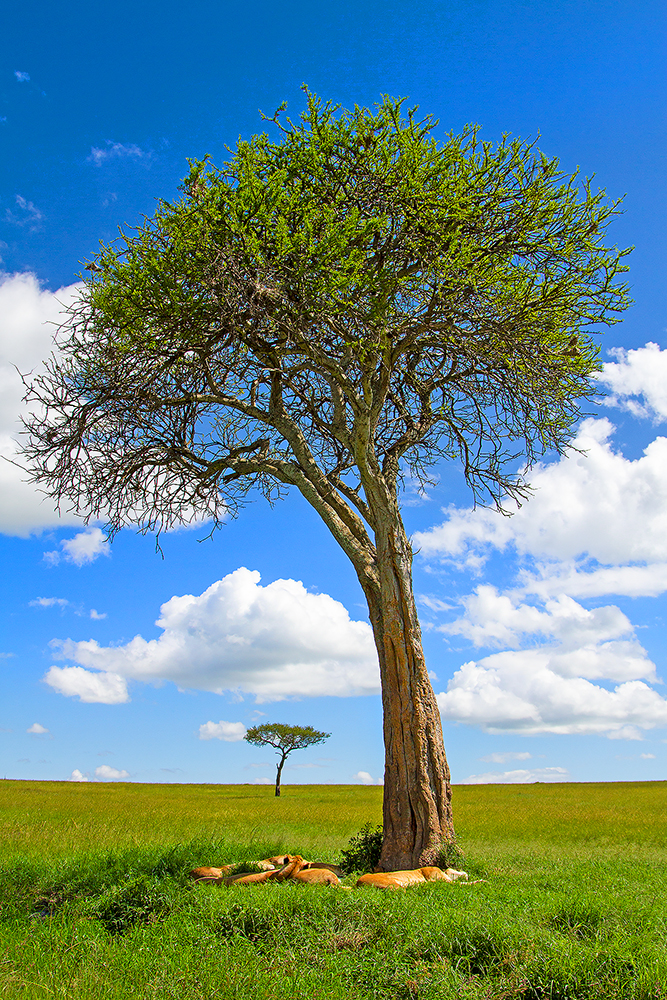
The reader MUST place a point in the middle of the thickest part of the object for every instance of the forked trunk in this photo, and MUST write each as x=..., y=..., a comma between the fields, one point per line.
x=417, y=810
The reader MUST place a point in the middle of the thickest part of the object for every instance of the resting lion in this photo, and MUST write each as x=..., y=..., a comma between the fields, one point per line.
x=399, y=880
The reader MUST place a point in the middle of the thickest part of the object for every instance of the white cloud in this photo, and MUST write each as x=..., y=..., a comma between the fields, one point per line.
x=27, y=318
x=36, y=729
x=49, y=602
x=647, y=756
x=86, y=546
x=598, y=504
x=230, y=732
x=26, y=214
x=530, y=692
x=637, y=381
x=104, y=688
x=116, y=150
x=273, y=642
x=586, y=643
x=106, y=773
x=365, y=778
x=77, y=775
x=262, y=781
x=22, y=76
x=502, y=758
x=519, y=777
x=97, y=615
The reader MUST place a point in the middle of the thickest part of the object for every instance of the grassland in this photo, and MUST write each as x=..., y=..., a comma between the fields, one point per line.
x=95, y=900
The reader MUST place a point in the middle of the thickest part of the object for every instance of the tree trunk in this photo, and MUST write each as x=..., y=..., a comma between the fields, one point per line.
x=279, y=768
x=417, y=811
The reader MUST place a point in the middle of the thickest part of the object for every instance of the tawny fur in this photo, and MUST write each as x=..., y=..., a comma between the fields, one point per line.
x=316, y=876
x=399, y=880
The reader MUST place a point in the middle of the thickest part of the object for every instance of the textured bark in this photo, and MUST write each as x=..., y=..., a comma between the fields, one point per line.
x=417, y=810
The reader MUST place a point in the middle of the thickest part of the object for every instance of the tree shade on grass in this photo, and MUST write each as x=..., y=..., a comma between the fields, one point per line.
x=284, y=739
x=334, y=311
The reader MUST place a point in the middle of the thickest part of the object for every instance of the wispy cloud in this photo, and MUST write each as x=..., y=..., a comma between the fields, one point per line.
x=26, y=214
x=49, y=602
x=519, y=777
x=116, y=150
x=502, y=758
x=22, y=76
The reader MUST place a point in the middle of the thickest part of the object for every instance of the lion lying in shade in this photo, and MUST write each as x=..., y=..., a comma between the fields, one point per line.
x=399, y=880
x=292, y=868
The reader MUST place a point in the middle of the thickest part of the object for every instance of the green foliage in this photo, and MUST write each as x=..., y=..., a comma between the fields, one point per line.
x=362, y=854
x=438, y=296
x=450, y=855
x=284, y=738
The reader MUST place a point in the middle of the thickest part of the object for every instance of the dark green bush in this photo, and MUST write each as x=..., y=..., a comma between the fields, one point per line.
x=362, y=854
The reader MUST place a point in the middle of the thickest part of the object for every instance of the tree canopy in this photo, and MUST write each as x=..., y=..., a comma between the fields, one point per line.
x=356, y=281
x=335, y=308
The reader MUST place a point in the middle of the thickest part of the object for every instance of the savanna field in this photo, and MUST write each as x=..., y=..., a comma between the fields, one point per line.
x=96, y=901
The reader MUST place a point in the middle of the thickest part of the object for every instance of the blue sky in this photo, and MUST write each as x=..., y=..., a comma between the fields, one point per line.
x=546, y=632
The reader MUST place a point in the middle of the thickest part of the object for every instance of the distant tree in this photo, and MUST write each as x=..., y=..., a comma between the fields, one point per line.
x=284, y=739
x=333, y=312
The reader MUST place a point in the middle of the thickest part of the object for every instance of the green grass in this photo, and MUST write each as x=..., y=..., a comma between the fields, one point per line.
x=95, y=900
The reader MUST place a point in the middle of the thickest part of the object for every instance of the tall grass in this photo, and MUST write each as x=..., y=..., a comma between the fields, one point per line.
x=96, y=902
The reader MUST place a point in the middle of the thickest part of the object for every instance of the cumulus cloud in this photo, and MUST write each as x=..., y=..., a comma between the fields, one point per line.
x=592, y=515
x=530, y=692
x=97, y=616
x=547, y=687
x=103, y=687
x=114, y=151
x=273, y=642
x=366, y=779
x=594, y=644
x=78, y=775
x=106, y=773
x=519, y=777
x=637, y=381
x=86, y=546
x=596, y=504
x=36, y=729
x=230, y=732
x=28, y=319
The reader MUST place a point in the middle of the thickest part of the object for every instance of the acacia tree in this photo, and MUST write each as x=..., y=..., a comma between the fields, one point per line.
x=284, y=739
x=333, y=310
